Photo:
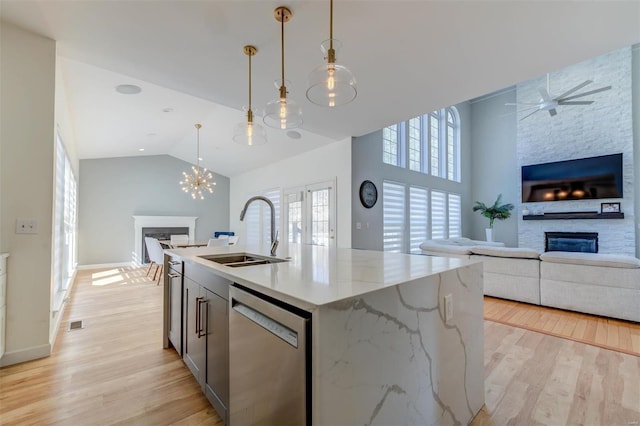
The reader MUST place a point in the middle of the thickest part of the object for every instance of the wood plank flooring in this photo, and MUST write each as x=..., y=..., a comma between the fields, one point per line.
x=114, y=371
x=608, y=333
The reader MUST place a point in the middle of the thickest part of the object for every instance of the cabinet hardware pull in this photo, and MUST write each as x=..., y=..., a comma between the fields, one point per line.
x=174, y=275
x=174, y=262
x=201, y=330
x=198, y=316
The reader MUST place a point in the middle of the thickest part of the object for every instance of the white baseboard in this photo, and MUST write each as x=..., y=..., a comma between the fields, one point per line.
x=29, y=354
x=106, y=265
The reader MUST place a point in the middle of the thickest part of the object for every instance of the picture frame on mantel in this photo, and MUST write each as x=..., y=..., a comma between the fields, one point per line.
x=609, y=207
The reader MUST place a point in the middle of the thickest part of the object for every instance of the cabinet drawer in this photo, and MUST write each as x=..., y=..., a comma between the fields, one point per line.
x=175, y=263
x=207, y=279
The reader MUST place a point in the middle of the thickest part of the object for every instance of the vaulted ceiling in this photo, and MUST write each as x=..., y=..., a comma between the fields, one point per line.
x=409, y=57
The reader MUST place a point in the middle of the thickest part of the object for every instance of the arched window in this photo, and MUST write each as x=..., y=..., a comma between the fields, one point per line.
x=427, y=144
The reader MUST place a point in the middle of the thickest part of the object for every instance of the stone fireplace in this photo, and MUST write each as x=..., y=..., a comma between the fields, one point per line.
x=584, y=242
x=172, y=222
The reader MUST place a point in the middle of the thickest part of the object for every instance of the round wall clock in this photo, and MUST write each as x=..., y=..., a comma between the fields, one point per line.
x=368, y=194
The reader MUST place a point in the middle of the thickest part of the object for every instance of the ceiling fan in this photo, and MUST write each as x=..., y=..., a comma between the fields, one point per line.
x=549, y=103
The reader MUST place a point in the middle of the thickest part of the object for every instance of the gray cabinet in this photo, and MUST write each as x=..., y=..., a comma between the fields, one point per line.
x=173, y=282
x=205, y=329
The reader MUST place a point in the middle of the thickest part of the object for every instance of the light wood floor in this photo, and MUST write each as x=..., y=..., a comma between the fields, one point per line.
x=608, y=333
x=114, y=371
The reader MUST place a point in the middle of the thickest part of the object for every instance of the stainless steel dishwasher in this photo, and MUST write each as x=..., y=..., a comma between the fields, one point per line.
x=269, y=361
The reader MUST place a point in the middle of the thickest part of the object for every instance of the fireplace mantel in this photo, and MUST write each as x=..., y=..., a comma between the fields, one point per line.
x=573, y=215
x=140, y=222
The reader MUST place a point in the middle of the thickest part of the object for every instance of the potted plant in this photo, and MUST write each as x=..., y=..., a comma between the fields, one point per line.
x=496, y=211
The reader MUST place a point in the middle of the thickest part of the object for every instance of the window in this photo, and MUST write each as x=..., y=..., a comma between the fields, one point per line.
x=427, y=144
x=64, y=238
x=393, y=210
x=258, y=219
x=418, y=217
x=390, y=145
x=429, y=213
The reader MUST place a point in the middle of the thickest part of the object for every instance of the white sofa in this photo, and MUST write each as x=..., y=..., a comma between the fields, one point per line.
x=600, y=284
x=454, y=247
x=510, y=273
x=595, y=283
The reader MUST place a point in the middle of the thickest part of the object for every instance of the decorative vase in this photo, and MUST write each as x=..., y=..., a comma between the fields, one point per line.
x=525, y=211
x=489, y=232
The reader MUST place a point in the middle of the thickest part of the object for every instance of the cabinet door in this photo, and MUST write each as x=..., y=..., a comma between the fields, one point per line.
x=217, y=374
x=175, y=310
x=194, y=349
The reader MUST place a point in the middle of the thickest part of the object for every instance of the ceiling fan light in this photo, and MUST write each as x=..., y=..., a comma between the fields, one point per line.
x=331, y=85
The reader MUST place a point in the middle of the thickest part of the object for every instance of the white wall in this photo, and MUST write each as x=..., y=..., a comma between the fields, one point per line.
x=113, y=190
x=27, y=90
x=604, y=127
x=330, y=162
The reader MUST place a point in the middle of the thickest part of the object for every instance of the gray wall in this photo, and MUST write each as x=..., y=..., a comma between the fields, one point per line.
x=113, y=190
x=366, y=155
x=494, y=166
x=635, y=89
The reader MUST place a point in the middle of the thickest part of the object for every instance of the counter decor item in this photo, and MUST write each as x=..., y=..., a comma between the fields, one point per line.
x=496, y=211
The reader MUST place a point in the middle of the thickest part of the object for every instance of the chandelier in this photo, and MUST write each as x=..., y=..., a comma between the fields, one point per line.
x=201, y=180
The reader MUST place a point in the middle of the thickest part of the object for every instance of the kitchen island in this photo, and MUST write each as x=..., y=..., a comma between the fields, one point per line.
x=395, y=338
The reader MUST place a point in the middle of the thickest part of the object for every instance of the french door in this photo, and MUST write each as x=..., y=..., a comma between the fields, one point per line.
x=310, y=214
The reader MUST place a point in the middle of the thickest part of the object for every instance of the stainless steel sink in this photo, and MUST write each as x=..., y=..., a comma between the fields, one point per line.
x=237, y=260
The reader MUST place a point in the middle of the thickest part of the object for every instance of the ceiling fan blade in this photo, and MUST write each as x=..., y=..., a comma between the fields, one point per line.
x=575, y=102
x=544, y=94
x=602, y=89
x=578, y=87
x=520, y=103
x=553, y=112
x=529, y=115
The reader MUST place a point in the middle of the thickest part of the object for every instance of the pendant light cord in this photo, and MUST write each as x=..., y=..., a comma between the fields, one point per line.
x=249, y=82
x=330, y=24
x=282, y=18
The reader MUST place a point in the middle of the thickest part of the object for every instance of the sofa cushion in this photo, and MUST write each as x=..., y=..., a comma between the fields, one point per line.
x=592, y=259
x=431, y=247
x=522, y=253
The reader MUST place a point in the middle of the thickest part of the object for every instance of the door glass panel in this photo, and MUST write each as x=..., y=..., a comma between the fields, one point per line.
x=320, y=217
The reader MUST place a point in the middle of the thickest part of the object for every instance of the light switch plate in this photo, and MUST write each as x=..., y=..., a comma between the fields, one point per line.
x=26, y=226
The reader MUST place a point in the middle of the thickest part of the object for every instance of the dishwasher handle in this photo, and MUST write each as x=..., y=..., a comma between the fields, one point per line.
x=279, y=319
x=274, y=327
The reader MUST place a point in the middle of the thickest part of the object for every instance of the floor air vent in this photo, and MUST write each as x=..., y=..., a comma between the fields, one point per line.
x=76, y=325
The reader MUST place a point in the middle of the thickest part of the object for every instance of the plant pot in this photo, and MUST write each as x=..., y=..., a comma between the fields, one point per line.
x=489, y=232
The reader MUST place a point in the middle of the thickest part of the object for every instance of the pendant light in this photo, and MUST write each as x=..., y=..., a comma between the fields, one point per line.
x=331, y=84
x=282, y=113
x=201, y=179
x=249, y=133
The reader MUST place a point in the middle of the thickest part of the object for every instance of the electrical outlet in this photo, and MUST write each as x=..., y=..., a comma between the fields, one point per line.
x=448, y=308
x=26, y=226
x=358, y=225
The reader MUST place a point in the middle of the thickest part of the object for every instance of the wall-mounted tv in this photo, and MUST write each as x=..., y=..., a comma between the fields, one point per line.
x=580, y=179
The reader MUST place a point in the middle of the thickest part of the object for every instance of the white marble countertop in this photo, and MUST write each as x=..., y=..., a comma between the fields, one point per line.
x=318, y=275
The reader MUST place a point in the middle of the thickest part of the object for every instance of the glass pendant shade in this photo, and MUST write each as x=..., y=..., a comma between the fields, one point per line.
x=283, y=114
x=249, y=133
x=331, y=85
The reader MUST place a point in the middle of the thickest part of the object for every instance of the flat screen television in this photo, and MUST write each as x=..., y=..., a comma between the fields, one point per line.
x=580, y=179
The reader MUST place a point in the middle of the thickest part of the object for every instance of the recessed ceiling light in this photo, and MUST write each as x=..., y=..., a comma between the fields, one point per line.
x=167, y=109
x=152, y=134
x=200, y=158
x=128, y=89
x=293, y=134
x=141, y=149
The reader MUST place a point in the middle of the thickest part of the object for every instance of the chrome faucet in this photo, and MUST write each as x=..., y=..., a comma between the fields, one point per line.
x=274, y=238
